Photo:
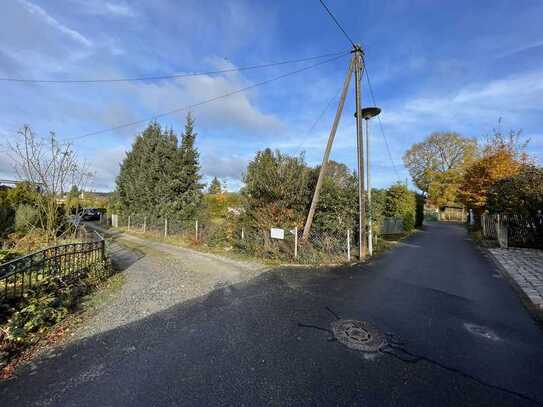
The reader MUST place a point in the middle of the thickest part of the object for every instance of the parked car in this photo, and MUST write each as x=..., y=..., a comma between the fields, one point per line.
x=90, y=214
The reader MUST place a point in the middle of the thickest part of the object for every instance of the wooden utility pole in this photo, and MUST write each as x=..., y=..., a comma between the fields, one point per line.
x=356, y=65
x=331, y=137
x=368, y=185
x=357, y=59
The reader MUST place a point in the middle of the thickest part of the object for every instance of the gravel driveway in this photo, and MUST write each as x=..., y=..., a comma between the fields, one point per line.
x=158, y=276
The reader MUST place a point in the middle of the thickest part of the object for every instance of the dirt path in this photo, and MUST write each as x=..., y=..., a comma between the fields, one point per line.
x=158, y=276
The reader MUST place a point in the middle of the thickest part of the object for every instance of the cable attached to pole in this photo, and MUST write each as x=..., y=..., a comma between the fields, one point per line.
x=337, y=23
x=169, y=76
x=204, y=102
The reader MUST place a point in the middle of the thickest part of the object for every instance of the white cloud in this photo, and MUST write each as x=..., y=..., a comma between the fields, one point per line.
x=106, y=8
x=482, y=103
x=105, y=165
x=41, y=13
x=220, y=166
x=120, y=9
x=237, y=110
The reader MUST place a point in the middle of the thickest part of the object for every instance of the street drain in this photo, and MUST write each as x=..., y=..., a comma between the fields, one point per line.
x=358, y=335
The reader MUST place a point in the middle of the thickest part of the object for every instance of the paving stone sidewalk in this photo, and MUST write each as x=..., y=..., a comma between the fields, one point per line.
x=525, y=267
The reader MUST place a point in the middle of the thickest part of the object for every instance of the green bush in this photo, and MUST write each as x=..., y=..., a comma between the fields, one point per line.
x=218, y=235
x=39, y=309
x=521, y=194
x=408, y=221
x=8, y=255
x=400, y=202
x=7, y=220
x=26, y=218
x=46, y=305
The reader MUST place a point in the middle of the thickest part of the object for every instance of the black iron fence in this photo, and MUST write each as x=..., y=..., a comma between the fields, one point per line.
x=23, y=273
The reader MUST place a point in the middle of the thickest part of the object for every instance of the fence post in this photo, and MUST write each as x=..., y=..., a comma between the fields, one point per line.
x=128, y=227
x=498, y=230
x=196, y=229
x=144, y=224
x=295, y=242
x=505, y=235
x=103, y=249
x=165, y=227
x=348, y=245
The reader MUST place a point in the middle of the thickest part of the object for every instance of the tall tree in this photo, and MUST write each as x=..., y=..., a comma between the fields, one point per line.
x=158, y=177
x=215, y=186
x=437, y=164
x=189, y=174
x=503, y=156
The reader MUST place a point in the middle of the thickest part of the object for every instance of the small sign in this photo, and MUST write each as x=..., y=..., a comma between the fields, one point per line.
x=276, y=233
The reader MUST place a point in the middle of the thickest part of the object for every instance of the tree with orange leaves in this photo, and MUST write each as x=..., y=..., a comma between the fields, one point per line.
x=502, y=157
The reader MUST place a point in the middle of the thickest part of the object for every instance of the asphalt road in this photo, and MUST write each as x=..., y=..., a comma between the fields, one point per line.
x=242, y=344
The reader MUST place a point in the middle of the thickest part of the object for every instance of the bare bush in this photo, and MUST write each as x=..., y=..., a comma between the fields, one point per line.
x=52, y=167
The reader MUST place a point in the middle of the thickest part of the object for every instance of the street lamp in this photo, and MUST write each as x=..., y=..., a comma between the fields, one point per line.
x=367, y=114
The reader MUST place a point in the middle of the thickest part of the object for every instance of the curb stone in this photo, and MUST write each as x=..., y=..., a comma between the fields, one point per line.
x=534, y=307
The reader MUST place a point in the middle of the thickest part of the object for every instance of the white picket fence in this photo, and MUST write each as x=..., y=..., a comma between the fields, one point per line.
x=494, y=227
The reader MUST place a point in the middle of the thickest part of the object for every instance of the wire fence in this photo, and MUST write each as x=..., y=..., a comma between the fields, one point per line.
x=288, y=245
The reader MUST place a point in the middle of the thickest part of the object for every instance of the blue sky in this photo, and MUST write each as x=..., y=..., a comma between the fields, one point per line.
x=434, y=66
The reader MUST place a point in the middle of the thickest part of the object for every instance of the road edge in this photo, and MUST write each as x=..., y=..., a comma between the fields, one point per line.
x=535, y=311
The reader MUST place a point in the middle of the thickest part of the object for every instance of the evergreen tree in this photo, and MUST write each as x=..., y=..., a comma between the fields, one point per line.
x=215, y=186
x=158, y=177
x=189, y=174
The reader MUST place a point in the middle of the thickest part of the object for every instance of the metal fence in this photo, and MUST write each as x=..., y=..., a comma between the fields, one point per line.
x=392, y=226
x=70, y=259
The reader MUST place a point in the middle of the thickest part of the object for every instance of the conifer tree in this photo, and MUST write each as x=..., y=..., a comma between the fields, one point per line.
x=158, y=178
x=191, y=188
x=215, y=186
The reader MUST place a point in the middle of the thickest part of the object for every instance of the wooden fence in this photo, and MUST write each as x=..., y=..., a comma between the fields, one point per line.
x=23, y=273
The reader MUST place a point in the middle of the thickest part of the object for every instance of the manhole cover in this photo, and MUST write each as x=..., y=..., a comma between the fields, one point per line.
x=358, y=335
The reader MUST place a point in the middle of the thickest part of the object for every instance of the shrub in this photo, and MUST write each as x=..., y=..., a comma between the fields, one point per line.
x=8, y=255
x=26, y=218
x=23, y=321
x=521, y=194
x=7, y=220
x=400, y=202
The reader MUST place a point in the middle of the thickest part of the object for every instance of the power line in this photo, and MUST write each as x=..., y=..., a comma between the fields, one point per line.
x=171, y=76
x=337, y=23
x=381, y=123
x=204, y=102
x=321, y=115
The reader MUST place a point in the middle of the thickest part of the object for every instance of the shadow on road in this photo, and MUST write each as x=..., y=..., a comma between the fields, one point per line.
x=241, y=344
